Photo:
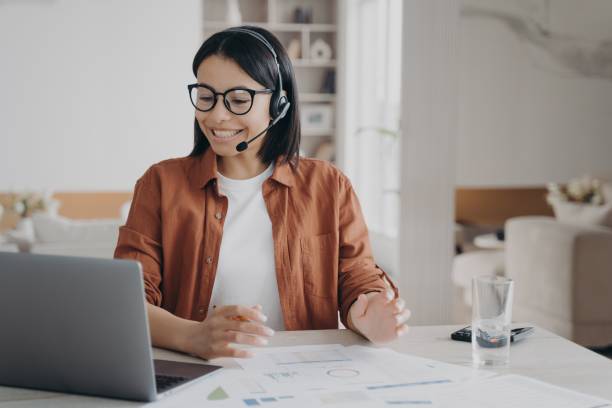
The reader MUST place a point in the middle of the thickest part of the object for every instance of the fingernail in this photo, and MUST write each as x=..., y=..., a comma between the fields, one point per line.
x=390, y=295
x=263, y=317
x=262, y=341
x=269, y=331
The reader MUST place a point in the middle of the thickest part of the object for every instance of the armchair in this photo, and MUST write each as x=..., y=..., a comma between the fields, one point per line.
x=563, y=277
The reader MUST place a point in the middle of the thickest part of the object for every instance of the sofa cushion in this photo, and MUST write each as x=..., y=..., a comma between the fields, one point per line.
x=49, y=228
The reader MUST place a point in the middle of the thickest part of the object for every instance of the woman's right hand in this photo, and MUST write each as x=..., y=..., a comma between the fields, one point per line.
x=211, y=338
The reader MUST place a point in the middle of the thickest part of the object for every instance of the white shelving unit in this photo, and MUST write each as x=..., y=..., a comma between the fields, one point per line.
x=277, y=16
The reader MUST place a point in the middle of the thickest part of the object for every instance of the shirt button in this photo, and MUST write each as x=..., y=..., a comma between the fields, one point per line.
x=201, y=310
x=218, y=215
x=209, y=260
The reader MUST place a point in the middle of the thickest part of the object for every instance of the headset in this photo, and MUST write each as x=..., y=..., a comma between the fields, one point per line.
x=279, y=104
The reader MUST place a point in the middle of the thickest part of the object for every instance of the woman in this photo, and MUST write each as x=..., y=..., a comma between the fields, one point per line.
x=243, y=237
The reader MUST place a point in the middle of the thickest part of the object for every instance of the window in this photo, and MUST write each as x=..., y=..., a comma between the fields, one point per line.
x=373, y=79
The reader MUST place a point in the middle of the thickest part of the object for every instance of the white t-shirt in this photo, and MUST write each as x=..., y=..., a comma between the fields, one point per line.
x=245, y=273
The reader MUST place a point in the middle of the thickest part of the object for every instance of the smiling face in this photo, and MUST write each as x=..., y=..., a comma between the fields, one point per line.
x=223, y=129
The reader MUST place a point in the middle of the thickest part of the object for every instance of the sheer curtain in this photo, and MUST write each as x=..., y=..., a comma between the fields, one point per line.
x=373, y=87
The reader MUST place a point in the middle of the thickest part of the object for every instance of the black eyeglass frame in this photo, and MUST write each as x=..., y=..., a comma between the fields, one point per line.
x=251, y=92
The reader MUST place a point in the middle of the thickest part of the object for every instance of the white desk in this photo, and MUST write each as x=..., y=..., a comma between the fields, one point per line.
x=544, y=356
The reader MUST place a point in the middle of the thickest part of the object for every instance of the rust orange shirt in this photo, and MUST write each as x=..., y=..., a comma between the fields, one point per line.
x=322, y=253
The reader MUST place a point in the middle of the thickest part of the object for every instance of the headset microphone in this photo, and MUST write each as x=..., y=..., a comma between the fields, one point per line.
x=242, y=146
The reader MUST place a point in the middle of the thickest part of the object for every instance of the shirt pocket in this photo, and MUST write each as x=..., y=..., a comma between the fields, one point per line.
x=319, y=273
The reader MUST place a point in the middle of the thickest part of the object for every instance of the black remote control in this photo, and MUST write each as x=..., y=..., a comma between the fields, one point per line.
x=517, y=334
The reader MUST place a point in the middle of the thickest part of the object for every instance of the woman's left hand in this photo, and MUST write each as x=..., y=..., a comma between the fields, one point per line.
x=379, y=317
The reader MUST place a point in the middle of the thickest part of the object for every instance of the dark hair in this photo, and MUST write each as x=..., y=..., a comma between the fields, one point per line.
x=282, y=139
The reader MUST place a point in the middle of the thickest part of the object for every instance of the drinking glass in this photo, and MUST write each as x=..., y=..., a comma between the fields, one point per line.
x=491, y=318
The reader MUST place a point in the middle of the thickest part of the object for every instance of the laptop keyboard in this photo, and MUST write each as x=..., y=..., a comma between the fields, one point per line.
x=165, y=382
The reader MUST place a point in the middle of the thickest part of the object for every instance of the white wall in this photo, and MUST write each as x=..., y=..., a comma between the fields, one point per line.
x=93, y=92
x=524, y=118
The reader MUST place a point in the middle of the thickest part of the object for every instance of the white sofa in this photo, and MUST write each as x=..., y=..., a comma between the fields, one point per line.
x=563, y=277
x=55, y=235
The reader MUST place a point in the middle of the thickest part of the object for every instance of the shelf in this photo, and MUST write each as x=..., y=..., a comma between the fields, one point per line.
x=317, y=132
x=317, y=97
x=323, y=28
x=304, y=63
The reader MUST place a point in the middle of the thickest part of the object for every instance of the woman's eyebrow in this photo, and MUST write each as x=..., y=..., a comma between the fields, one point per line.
x=231, y=87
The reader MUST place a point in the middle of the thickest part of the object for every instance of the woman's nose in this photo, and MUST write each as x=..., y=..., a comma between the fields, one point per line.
x=219, y=112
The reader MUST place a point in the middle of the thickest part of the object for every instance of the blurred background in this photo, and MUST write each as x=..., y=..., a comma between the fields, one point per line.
x=478, y=134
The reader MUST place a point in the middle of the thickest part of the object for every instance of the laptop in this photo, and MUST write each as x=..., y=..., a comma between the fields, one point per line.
x=79, y=325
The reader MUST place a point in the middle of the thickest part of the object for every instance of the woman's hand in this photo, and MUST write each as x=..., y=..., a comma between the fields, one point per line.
x=228, y=324
x=379, y=317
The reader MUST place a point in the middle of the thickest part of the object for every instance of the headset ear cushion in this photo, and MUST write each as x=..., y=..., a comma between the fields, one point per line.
x=277, y=105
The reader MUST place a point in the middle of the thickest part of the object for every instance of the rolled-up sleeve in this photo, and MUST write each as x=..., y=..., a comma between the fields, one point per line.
x=357, y=271
x=140, y=238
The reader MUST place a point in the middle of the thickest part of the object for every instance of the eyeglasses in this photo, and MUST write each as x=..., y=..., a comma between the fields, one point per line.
x=237, y=100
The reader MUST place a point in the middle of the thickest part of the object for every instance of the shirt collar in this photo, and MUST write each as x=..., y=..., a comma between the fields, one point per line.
x=283, y=173
x=206, y=170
